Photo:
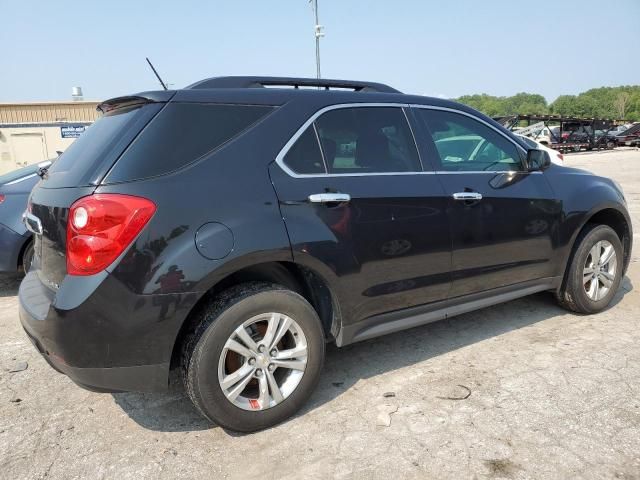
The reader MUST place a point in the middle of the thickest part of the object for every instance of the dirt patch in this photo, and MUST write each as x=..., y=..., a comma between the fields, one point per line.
x=502, y=467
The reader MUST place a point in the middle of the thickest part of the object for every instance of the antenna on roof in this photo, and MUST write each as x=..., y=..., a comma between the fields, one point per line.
x=156, y=73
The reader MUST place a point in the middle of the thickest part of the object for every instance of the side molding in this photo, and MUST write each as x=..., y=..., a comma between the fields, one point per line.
x=413, y=317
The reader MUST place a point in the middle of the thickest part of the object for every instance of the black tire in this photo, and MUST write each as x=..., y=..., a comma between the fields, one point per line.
x=572, y=295
x=27, y=257
x=216, y=323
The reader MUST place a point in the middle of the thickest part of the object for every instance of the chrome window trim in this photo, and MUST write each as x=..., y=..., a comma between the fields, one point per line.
x=21, y=179
x=482, y=172
x=287, y=146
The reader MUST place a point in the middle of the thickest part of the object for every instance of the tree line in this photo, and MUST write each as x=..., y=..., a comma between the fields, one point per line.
x=619, y=103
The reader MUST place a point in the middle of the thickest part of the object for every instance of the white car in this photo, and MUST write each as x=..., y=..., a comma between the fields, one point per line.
x=544, y=135
x=556, y=157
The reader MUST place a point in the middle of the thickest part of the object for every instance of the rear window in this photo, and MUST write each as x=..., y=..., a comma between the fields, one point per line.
x=181, y=134
x=96, y=146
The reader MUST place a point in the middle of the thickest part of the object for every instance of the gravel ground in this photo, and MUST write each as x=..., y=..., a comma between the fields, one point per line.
x=520, y=390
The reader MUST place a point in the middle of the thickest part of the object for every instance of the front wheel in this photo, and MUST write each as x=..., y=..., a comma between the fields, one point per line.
x=255, y=357
x=595, y=272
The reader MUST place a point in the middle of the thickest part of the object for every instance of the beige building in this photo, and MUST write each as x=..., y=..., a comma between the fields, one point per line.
x=32, y=132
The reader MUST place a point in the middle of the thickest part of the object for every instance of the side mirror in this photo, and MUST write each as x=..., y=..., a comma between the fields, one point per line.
x=537, y=160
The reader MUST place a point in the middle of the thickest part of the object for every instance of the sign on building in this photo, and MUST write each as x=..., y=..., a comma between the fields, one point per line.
x=72, y=131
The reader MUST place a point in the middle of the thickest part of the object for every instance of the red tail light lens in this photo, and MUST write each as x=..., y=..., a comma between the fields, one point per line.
x=101, y=227
x=2, y=197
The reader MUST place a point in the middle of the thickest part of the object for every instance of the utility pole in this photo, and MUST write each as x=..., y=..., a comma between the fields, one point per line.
x=319, y=33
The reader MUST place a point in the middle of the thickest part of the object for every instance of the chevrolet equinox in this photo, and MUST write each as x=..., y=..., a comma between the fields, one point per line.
x=231, y=229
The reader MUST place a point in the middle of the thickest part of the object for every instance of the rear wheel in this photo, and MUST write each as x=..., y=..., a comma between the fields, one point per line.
x=595, y=272
x=254, y=358
x=27, y=257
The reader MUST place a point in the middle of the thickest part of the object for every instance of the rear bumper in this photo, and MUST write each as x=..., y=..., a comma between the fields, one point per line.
x=10, y=246
x=143, y=378
x=104, y=343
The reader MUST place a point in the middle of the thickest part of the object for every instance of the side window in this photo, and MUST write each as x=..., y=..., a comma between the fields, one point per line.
x=181, y=134
x=304, y=156
x=466, y=145
x=367, y=140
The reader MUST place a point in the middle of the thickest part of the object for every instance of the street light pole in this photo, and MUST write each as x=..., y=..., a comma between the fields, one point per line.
x=319, y=33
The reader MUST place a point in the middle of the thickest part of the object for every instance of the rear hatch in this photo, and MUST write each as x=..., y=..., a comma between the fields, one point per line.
x=77, y=173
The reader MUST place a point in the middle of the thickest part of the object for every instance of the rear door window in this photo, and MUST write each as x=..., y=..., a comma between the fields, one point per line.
x=181, y=134
x=367, y=140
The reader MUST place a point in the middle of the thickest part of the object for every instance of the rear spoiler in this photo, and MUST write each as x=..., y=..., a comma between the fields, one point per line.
x=137, y=99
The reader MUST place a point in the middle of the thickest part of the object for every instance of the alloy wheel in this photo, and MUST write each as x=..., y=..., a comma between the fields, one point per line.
x=599, y=271
x=263, y=361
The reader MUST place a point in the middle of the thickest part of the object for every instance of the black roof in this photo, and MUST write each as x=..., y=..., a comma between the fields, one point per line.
x=280, y=90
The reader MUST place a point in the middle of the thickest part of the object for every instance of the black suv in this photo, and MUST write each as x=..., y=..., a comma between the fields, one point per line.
x=231, y=228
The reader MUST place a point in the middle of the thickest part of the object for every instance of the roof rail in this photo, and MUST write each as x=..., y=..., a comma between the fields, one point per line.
x=291, y=82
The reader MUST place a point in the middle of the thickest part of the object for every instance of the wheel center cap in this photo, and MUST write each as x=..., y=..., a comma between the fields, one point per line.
x=262, y=361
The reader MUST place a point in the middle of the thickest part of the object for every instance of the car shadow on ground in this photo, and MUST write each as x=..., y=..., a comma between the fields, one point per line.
x=9, y=283
x=171, y=412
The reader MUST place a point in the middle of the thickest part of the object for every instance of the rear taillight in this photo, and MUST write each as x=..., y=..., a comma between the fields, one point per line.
x=101, y=227
x=2, y=197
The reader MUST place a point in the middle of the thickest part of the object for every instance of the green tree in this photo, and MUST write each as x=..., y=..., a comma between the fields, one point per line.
x=564, y=105
x=603, y=102
x=523, y=103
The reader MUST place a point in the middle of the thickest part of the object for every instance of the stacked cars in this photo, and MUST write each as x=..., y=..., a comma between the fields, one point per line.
x=630, y=136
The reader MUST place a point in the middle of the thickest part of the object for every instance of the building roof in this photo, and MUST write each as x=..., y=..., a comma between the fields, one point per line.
x=48, y=112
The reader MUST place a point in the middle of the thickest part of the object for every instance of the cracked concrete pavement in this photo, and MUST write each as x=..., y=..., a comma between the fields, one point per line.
x=553, y=395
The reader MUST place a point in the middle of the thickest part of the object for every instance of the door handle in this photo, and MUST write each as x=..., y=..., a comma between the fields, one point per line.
x=329, y=198
x=475, y=196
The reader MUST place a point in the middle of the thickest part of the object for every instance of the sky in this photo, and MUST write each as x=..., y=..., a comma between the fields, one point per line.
x=441, y=48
